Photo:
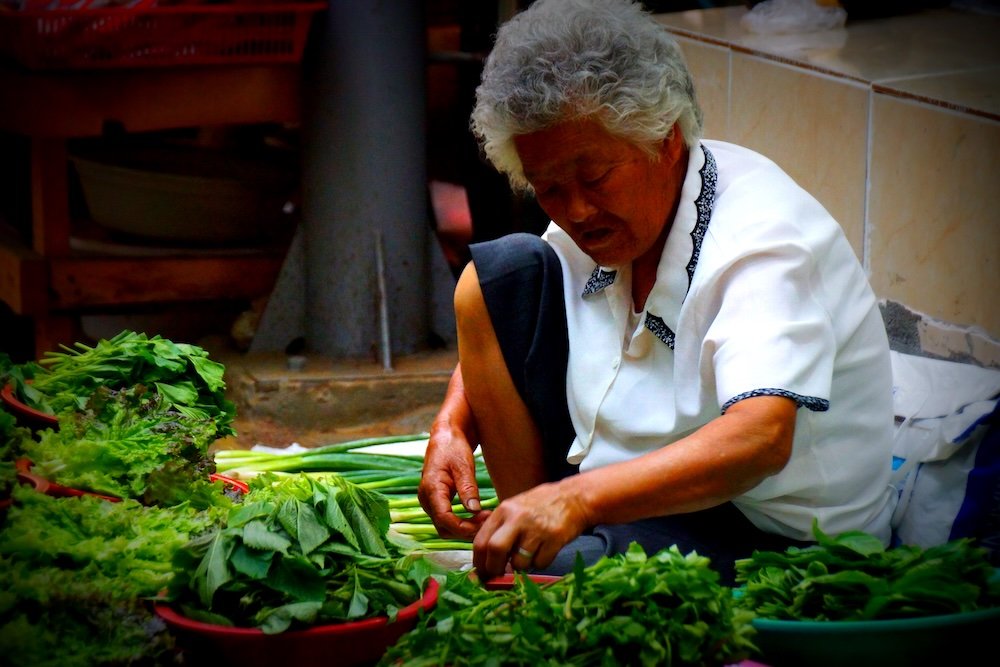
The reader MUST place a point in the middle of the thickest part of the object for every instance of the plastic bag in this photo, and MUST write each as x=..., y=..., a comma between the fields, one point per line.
x=777, y=17
x=946, y=451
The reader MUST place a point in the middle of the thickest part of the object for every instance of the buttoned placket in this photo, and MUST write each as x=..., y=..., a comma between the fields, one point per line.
x=619, y=302
x=614, y=286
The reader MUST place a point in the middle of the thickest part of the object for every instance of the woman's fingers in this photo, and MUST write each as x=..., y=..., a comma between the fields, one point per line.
x=525, y=531
x=546, y=553
x=450, y=469
x=465, y=484
x=438, y=505
x=491, y=547
x=523, y=555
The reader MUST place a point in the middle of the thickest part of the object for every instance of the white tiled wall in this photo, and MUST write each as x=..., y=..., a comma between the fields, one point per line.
x=933, y=207
x=774, y=112
x=894, y=125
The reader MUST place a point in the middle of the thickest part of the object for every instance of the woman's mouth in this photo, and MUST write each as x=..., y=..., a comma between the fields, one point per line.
x=596, y=235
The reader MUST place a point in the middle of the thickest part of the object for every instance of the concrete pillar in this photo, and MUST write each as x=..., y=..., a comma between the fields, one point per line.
x=364, y=170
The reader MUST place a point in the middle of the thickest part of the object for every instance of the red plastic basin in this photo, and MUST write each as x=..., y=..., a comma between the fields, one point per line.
x=351, y=643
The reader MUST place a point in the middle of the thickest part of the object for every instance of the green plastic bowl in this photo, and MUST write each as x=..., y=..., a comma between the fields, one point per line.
x=930, y=640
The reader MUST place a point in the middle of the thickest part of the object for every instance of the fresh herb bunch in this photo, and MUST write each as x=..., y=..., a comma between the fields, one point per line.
x=124, y=542
x=183, y=374
x=630, y=609
x=130, y=443
x=851, y=576
x=87, y=633
x=11, y=435
x=11, y=438
x=298, y=551
x=73, y=575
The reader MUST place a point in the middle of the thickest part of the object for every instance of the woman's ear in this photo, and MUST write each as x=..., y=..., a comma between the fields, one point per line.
x=673, y=146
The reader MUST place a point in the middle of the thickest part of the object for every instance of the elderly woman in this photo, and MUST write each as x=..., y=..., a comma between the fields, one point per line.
x=691, y=354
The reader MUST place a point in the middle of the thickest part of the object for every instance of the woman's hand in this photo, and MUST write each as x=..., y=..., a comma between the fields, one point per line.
x=449, y=467
x=529, y=529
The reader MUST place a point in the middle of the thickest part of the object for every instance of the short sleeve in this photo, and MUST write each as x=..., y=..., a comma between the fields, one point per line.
x=770, y=333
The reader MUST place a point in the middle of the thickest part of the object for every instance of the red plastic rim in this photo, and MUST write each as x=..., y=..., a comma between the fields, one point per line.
x=50, y=488
x=506, y=581
x=409, y=612
x=19, y=408
x=239, y=485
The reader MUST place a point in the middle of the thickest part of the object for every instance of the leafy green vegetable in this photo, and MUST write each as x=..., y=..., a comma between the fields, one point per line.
x=397, y=476
x=851, y=576
x=188, y=380
x=125, y=541
x=12, y=438
x=130, y=444
x=86, y=633
x=74, y=572
x=665, y=609
x=297, y=551
x=11, y=435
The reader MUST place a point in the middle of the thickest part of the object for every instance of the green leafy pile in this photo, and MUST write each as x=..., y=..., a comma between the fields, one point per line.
x=851, y=577
x=181, y=373
x=11, y=438
x=74, y=572
x=298, y=551
x=130, y=443
x=631, y=609
x=87, y=634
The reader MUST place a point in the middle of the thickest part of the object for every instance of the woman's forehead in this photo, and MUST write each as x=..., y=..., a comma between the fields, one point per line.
x=564, y=149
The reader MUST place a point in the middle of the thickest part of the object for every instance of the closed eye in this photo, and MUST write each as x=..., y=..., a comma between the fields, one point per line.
x=597, y=180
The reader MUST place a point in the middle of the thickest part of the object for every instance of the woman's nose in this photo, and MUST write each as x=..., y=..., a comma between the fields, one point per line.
x=577, y=205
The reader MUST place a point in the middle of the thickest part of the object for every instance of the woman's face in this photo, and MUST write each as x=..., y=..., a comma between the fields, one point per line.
x=613, y=199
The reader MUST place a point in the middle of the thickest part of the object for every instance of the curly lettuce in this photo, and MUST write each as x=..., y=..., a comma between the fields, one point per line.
x=74, y=574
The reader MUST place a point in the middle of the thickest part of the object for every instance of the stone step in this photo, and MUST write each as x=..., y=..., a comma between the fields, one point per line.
x=316, y=400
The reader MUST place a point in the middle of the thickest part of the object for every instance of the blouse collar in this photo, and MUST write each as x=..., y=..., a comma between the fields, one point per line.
x=682, y=249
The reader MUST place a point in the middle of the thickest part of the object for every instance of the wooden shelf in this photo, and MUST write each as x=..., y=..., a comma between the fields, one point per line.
x=88, y=282
x=51, y=283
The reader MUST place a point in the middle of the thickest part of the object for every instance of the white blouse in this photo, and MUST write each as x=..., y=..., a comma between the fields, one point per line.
x=758, y=292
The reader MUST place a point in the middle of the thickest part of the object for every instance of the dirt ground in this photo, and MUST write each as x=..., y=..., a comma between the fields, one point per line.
x=331, y=400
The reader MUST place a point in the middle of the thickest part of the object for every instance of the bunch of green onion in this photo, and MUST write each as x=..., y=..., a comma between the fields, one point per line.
x=397, y=476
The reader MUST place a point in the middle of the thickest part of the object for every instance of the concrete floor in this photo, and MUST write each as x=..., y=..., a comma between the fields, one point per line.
x=327, y=400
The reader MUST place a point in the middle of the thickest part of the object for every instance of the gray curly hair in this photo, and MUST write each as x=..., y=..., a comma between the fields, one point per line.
x=560, y=60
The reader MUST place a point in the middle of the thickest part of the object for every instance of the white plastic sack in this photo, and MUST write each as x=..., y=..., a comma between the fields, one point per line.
x=782, y=17
x=946, y=410
x=925, y=387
